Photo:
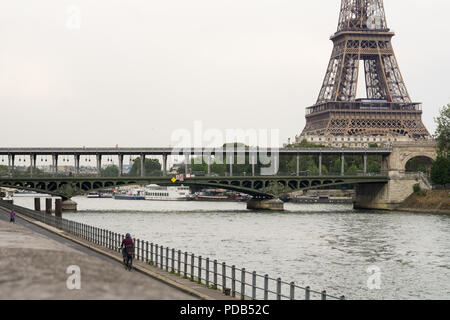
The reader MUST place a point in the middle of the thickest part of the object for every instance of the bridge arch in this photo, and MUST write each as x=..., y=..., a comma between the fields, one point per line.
x=419, y=163
x=426, y=158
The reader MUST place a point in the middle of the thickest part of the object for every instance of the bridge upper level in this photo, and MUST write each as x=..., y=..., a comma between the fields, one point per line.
x=188, y=151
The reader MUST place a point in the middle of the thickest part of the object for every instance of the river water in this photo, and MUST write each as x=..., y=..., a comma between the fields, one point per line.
x=326, y=247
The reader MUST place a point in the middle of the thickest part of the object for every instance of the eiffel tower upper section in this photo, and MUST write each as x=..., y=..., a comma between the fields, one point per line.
x=363, y=36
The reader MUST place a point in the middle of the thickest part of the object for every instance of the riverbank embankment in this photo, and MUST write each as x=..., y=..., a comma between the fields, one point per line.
x=431, y=201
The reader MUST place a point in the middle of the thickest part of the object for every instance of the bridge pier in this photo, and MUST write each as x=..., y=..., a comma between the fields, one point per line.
x=390, y=195
x=99, y=164
x=120, y=165
x=164, y=165
x=265, y=205
x=33, y=158
x=77, y=164
x=68, y=205
x=11, y=158
x=55, y=163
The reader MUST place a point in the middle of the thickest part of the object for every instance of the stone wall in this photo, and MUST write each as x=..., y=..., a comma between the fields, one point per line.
x=388, y=196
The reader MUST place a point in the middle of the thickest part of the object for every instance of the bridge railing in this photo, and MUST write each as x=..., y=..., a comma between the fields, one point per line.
x=232, y=281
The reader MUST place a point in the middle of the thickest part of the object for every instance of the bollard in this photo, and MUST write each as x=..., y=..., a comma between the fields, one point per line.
x=324, y=295
x=254, y=285
x=266, y=287
x=243, y=284
x=37, y=204
x=215, y=275
x=173, y=261
x=224, y=277
x=292, y=292
x=192, y=266
x=179, y=262
x=307, y=293
x=167, y=259
x=162, y=257
x=156, y=255
x=185, y=265
x=146, y=252
x=199, y=269
x=233, y=281
x=151, y=253
x=279, y=289
x=137, y=249
x=207, y=272
x=48, y=206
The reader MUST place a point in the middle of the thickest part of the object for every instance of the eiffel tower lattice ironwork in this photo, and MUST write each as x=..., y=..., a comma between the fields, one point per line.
x=363, y=35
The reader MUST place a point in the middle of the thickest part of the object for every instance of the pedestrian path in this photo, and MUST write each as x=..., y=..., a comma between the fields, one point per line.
x=34, y=264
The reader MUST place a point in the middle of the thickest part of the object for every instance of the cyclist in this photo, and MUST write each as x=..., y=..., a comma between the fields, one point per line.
x=12, y=217
x=127, y=245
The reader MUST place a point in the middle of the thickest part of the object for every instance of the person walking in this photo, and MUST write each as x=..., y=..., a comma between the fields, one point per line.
x=12, y=217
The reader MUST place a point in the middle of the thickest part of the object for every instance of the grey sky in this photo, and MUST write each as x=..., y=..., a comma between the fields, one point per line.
x=137, y=70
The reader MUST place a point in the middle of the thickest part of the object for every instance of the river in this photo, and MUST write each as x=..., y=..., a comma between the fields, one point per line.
x=319, y=245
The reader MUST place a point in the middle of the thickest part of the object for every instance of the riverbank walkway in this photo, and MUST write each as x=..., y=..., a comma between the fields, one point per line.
x=34, y=259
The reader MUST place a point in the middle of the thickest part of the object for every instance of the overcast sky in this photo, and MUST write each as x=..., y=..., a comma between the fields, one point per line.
x=136, y=70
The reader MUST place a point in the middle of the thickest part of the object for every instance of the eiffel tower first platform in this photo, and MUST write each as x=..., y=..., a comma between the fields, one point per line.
x=363, y=35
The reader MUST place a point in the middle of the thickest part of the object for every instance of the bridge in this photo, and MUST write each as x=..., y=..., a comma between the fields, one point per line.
x=75, y=154
x=375, y=191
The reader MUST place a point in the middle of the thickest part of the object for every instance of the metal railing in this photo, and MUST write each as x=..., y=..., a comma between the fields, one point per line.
x=232, y=281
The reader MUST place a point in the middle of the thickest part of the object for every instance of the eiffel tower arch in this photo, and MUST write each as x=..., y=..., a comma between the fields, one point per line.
x=363, y=38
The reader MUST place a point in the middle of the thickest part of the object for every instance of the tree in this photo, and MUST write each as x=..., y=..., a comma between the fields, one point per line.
x=3, y=170
x=152, y=167
x=111, y=171
x=440, y=170
x=443, y=131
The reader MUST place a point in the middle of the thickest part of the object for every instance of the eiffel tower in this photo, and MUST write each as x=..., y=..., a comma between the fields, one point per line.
x=363, y=35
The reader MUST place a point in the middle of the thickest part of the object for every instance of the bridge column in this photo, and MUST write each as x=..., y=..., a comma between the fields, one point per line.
x=120, y=164
x=142, y=165
x=77, y=164
x=99, y=164
x=298, y=165
x=253, y=161
x=342, y=164
x=33, y=163
x=230, y=159
x=164, y=165
x=365, y=163
x=276, y=162
x=55, y=163
x=11, y=159
x=187, y=162
x=320, y=164
x=209, y=165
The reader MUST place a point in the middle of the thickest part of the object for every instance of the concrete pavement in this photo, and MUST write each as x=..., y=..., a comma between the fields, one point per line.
x=33, y=265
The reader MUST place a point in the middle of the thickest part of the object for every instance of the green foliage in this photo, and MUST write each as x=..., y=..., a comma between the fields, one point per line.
x=440, y=170
x=3, y=171
x=374, y=145
x=443, y=131
x=417, y=188
x=111, y=171
x=152, y=167
x=305, y=144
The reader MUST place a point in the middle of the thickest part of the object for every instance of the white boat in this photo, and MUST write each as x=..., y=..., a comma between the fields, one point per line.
x=157, y=193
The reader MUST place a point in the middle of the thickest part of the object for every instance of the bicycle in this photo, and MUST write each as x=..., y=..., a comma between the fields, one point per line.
x=128, y=260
